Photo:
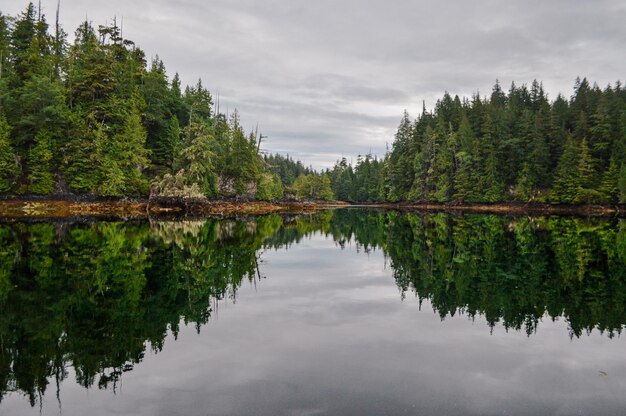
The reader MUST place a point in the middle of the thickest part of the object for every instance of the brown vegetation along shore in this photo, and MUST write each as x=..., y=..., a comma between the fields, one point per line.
x=141, y=208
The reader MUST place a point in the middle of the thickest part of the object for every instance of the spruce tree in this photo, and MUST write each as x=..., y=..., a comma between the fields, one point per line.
x=401, y=172
x=621, y=184
x=196, y=158
x=40, y=178
x=83, y=159
x=325, y=191
x=466, y=174
x=609, y=190
x=586, y=191
x=8, y=160
x=567, y=180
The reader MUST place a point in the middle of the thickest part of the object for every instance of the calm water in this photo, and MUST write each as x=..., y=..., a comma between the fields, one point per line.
x=343, y=313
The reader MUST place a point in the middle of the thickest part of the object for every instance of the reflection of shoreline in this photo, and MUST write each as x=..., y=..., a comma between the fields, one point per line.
x=14, y=209
x=514, y=209
x=79, y=208
x=94, y=295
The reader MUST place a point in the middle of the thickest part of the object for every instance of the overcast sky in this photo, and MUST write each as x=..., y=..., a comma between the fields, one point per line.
x=326, y=79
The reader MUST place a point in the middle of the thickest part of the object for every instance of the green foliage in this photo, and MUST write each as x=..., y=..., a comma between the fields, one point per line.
x=112, y=124
x=9, y=168
x=116, y=123
x=81, y=165
x=313, y=186
x=196, y=158
x=512, y=146
x=566, y=182
x=240, y=166
x=122, y=159
x=40, y=180
x=621, y=184
x=269, y=188
x=285, y=167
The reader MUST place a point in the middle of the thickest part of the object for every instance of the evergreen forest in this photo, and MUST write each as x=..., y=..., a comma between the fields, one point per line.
x=94, y=117
x=510, y=146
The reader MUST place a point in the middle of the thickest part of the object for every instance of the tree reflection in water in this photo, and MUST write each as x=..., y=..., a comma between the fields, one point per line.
x=95, y=296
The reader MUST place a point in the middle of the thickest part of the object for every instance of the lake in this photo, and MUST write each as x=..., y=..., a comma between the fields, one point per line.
x=345, y=312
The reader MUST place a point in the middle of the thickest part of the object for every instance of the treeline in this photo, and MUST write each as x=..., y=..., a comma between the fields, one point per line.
x=515, y=146
x=93, y=117
x=298, y=181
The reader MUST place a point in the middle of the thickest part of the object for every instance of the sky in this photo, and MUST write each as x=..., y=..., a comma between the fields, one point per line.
x=325, y=79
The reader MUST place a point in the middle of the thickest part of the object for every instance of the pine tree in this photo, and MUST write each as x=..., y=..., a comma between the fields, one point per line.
x=609, y=188
x=197, y=157
x=80, y=166
x=621, y=184
x=444, y=169
x=525, y=183
x=600, y=133
x=21, y=39
x=401, y=173
x=493, y=189
x=8, y=160
x=567, y=180
x=40, y=178
x=325, y=191
x=586, y=191
x=123, y=159
x=466, y=177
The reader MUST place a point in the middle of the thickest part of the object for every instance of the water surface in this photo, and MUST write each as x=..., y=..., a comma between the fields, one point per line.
x=345, y=312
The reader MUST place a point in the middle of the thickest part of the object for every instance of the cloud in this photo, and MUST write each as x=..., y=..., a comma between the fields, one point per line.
x=328, y=78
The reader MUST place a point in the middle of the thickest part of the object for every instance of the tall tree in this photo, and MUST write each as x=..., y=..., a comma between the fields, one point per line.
x=8, y=159
x=40, y=179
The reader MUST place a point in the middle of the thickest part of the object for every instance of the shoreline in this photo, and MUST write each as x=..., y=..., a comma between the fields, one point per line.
x=128, y=208
x=508, y=208
x=140, y=208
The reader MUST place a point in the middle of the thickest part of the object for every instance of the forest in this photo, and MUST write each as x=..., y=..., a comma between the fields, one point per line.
x=94, y=117
x=515, y=146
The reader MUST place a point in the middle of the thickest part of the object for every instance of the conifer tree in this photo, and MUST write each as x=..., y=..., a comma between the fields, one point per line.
x=444, y=169
x=123, y=158
x=325, y=190
x=586, y=191
x=567, y=180
x=21, y=39
x=466, y=173
x=80, y=166
x=600, y=133
x=401, y=172
x=197, y=157
x=40, y=178
x=8, y=160
x=609, y=188
x=621, y=184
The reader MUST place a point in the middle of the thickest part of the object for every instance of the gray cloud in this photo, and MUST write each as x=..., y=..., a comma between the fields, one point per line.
x=326, y=78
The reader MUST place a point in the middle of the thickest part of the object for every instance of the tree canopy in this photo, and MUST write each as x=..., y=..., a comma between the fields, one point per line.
x=515, y=146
